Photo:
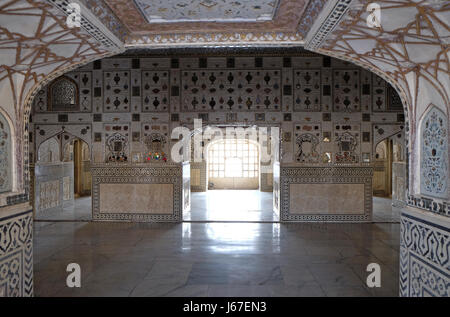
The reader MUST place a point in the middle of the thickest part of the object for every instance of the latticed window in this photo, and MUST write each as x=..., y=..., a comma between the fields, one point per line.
x=64, y=95
x=233, y=158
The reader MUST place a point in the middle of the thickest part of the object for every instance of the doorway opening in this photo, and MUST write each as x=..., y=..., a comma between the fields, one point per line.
x=389, y=176
x=232, y=183
x=62, y=179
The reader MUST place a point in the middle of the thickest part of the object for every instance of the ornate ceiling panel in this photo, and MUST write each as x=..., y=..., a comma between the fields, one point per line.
x=160, y=11
x=286, y=16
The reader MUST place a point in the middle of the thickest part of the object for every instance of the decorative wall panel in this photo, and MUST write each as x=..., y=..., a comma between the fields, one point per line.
x=54, y=190
x=117, y=142
x=231, y=90
x=346, y=91
x=16, y=252
x=350, y=176
x=379, y=94
x=135, y=175
x=5, y=156
x=424, y=254
x=307, y=143
x=48, y=195
x=434, y=154
x=307, y=90
x=155, y=87
x=155, y=138
x=116, y=91
x=347, y=142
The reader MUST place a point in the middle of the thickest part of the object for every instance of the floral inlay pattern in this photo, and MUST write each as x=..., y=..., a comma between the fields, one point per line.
x=434, y=154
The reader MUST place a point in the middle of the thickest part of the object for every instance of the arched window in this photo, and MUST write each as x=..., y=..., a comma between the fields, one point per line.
x=434, y=154
x=5, y=156
x=63, y=95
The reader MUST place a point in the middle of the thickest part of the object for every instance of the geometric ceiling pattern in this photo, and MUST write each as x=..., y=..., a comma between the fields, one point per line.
x=172, y=11
x=410, y=46
x=35, y=42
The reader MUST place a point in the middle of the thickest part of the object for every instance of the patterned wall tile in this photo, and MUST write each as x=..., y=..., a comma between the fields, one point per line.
x=424, y=255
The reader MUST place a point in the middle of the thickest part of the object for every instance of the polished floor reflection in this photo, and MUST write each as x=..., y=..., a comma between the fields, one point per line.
x=81, y=210
x=231, y=205
x=383, y=211
x=215, y=259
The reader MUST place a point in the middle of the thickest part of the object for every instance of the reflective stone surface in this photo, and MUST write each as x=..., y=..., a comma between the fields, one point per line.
x=215, y=259
x=231, y=205
x=81, y=210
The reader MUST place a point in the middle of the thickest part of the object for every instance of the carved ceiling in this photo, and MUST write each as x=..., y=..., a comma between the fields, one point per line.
x=166, y=11
x=34, y=43
x=204, y=22
x=411, y=45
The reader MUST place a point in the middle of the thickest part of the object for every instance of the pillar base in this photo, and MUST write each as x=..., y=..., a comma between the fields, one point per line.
x=424, y=258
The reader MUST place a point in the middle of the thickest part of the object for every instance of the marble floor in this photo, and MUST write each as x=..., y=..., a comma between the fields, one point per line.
x=215, y=259
x=383, y=211
x=231, y=205
x=81, y=210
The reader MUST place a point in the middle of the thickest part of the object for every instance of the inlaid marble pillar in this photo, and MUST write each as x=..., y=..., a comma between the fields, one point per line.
x=16, y=250
x=424, y=253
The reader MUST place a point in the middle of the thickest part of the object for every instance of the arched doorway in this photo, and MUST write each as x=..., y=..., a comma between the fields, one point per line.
x=233, y=179
x=389, y=176
x=61, y=179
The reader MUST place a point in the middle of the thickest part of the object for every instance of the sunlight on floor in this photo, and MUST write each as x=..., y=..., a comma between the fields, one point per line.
x=231, y=205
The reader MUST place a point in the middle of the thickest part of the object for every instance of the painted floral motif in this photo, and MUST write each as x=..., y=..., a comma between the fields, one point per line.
x=5, y=155
x=434, y=154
